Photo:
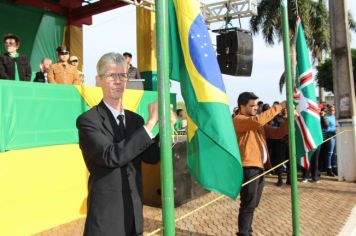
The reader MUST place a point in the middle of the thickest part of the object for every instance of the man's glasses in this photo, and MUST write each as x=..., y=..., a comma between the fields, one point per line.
x=63, y=53
x=10, y=43
x=115, y=76
x=73, y=61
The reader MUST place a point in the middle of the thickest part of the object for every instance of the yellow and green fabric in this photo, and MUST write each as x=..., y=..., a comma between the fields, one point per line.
x=146, y=47
x=36, y=114
x=213, y=155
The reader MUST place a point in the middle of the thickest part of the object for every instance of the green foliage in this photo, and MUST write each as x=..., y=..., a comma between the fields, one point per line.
x=268, y=20
x=315, y=19
x=325, y=73
x=313, y=14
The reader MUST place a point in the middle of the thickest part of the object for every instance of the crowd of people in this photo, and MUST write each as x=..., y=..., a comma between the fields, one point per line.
x=16, y=66
x=262, y=132
x=324, y=158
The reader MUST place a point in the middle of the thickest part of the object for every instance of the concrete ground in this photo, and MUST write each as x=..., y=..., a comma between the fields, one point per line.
x=325, y=209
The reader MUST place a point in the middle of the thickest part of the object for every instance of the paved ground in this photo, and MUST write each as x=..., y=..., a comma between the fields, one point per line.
x=324, y=209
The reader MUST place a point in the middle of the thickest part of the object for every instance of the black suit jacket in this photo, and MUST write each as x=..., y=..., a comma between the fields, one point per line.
x=40, y=77
x=115, y=184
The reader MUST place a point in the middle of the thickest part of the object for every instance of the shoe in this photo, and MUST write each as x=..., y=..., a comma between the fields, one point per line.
x=304, y=180
x=279, y=182
x=330, y=173
x=288, y=182
x=334, y=170
x=316, y=181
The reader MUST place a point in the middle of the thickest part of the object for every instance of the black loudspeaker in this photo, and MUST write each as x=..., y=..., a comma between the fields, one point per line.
x=235, y=64
x=234, y=42
x=235, y=52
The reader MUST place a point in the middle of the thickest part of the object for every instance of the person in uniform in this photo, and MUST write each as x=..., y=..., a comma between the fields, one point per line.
x=62, y=72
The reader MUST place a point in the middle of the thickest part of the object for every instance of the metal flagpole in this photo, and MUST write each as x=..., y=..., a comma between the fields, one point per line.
x=162, y=30
x=292, y=148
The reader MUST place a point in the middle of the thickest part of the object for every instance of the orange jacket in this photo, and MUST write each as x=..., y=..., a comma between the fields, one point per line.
x=252, y=131
x=63, y=73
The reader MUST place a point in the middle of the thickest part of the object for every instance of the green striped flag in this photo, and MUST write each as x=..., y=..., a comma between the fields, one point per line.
x=308, y=128
x=213, y=155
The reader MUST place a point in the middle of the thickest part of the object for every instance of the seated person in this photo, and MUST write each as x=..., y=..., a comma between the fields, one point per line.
x=62, y=72
x=14, y=66
x=41, y=76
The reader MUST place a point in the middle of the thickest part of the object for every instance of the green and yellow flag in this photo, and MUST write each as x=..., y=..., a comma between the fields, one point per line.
x=213, y=155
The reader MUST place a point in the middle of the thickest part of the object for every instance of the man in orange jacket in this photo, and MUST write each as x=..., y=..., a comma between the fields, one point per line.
x=251, y=131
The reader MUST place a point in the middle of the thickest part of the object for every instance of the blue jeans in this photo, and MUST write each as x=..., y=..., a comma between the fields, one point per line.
x=331, y=154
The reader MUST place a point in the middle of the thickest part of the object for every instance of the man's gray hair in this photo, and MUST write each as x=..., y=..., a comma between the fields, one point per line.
x=45, y=59
x=111, y=58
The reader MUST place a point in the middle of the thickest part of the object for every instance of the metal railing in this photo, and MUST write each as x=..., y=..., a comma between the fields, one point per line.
x=234, y=9
x=212, y=12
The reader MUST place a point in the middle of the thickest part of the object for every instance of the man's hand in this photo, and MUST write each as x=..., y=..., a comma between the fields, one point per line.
x=284, y=104
x=153, y=115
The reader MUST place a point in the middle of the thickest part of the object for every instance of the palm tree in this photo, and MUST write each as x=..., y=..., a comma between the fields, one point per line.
x=314, y=16
x=319, y=42
x=352, y=23
x=269, y=22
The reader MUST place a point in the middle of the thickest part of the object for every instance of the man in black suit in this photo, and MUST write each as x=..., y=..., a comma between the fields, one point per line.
x=41, y=76
x=132, y=72
x=114, y=141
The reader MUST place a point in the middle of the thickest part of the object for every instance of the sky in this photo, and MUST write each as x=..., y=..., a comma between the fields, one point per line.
x=115, y=31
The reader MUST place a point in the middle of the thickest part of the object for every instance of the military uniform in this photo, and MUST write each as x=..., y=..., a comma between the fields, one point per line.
x=63, y=73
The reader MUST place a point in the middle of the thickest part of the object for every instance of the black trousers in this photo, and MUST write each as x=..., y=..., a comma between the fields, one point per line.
x=250, y=196
x=279, y=153
x=313, y=169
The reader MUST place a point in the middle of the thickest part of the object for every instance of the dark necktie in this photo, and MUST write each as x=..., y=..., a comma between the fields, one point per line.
x=124, y=172
x=121, y=129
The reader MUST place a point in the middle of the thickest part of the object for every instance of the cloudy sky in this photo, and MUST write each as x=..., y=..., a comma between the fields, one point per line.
x=116, y=31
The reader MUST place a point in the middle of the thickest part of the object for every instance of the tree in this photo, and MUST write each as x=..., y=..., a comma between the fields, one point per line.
x=325, y=75
x=315, y=19
x=320, y=35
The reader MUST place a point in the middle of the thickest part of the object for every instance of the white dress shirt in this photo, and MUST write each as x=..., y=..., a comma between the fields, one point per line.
x=116, y=113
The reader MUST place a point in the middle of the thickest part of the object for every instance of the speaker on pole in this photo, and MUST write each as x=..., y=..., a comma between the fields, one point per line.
x=235, y=52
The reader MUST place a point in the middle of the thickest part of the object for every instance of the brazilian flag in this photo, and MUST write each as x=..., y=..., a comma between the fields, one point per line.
x=213, y=155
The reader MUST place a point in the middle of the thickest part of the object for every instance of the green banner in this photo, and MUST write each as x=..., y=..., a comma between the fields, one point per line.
x=36, y=114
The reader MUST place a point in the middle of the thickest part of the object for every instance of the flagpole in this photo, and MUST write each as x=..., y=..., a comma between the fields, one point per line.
x=164, y=114
x=292, y=148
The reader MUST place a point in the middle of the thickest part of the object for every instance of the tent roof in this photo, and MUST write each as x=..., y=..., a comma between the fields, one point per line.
x=76, y=11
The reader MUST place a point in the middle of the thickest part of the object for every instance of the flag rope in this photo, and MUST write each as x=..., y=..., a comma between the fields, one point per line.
x=244, y=184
